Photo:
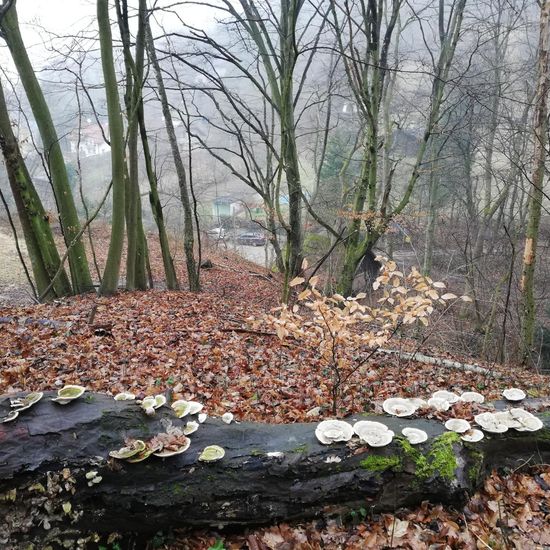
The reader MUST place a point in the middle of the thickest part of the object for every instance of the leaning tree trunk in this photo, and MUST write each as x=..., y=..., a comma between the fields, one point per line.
x=270, y=472
x=34, y=221
x=80, y=272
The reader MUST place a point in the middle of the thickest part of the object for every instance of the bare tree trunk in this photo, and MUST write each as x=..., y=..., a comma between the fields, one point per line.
x=109, y=284
x=188, y=237
x=538, y=179
x=135, y=255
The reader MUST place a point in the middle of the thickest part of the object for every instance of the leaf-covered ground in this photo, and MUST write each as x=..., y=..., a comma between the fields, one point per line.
x=199, y=346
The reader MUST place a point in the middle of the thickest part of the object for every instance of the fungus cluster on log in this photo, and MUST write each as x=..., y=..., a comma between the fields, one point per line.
x=235, y=473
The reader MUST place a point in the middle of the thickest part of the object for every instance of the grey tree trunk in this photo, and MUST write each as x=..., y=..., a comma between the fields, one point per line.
x=188, y=237
x=538, y=180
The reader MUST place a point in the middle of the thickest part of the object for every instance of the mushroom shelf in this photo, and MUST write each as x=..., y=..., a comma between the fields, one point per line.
x=56, y=476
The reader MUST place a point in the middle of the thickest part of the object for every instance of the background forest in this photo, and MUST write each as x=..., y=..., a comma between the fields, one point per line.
x=334, y=131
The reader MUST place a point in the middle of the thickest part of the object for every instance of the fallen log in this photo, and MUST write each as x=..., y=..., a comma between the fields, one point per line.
x=269, y=473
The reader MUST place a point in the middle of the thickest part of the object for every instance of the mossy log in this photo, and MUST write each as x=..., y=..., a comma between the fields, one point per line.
x=47, y=451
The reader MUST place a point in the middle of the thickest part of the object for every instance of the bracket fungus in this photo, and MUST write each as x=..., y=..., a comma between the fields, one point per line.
x=439, y=404
x=212, y=453
x=183, y=408
x=472, y=397
x=68, y=393
x=514, y=394
x=227, y=417
x=22, y=403
x=418, y=402
x=12, y=415
x=190, y=428
x=472, y=436
x=490, y=423
x=152, y=402
x=172, y=449
x=169, y=443
x=131, y=449
x=124, y=396
x=524, y=421
x=448, y=396
x=332, y=431
x=93, y=478
x=374, y=434
x=397, y=406
x=457, y=425
x=414, y=435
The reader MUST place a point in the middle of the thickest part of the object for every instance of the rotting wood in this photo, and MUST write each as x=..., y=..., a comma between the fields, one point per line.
x=46, y=453
x=439, y=361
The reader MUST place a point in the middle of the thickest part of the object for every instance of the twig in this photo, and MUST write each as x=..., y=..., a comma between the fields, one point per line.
x=19, y=253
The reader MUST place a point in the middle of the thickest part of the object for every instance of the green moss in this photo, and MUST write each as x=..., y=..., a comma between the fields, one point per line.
x=178, y=489
x=476, y=466
x=440, y=459
x=300, y=449
x=378, y=463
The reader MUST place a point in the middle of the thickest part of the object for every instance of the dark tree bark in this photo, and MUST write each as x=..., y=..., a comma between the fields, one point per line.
x=47, y=451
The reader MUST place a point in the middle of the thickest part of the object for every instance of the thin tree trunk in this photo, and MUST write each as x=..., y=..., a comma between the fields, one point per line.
x=188, y=237
x=109, y=284
x=536, y=194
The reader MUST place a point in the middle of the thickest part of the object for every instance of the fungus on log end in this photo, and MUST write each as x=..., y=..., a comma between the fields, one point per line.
x=56, y=476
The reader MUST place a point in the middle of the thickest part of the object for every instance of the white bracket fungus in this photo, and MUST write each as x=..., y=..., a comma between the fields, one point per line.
x=183, y=408
x=331, y=431
x=397, y=406
x=458, y=425
x=132, y=448
x=414, y=435
x=12, y=415
x=514, y=394
x=472, y=436
x=190, y=427
x=472, y=397
x=227, y=417
x=152, y=402
x=22, y=403
x=212, y=453
x=490, y=423
x=124, y=396
x=68, y=393
x=166, y=452
x=374, y=434
x=439, y=404
x=448, y=396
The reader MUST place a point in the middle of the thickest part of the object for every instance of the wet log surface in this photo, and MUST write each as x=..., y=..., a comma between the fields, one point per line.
x=46, y=453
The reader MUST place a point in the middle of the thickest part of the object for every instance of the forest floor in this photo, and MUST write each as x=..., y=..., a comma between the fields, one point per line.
x=201, y=347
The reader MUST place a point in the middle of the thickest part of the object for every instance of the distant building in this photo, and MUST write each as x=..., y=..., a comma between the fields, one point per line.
x=225, y=207
x=91, y=140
